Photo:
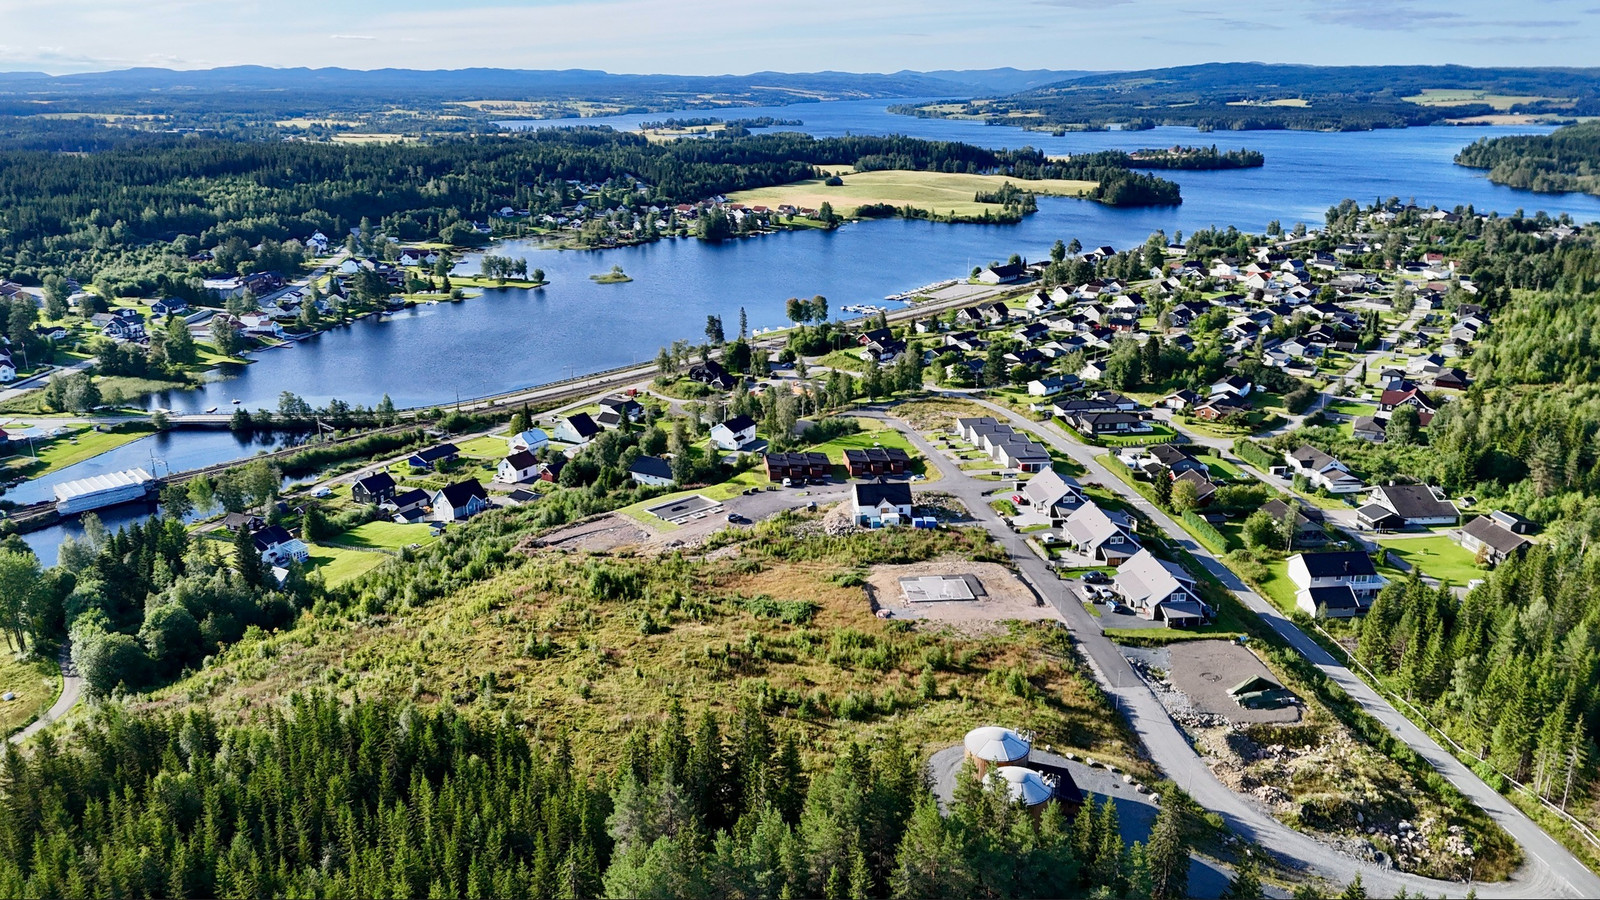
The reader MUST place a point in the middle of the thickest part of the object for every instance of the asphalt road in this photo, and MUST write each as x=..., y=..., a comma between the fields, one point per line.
x=71, y=693
x=1549, y=871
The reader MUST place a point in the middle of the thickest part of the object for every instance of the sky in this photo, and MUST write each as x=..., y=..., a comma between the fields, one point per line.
x=699, y=37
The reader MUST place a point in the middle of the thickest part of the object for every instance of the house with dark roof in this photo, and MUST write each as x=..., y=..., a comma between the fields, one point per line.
x=872, y=462
x=1339, y=584
x=577, y=428
x=880, y=503
x=1393, y=506
x=459, y=501
x=1490, y=541
x=734, y=434
x=434, y=457
x=1005, y=274
x=375, y=488
x=409, y=506
x=1103, y=423
x=651, y=470
x=807, y=465
x=517, y=468
x=1307, y=519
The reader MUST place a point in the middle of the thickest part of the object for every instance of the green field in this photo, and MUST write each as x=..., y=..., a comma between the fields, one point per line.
x=938, y=192
x=383, y=536
x=1438, y=556
x=338, y=565
x=35, y=684
x=487, y=447
x=58, y=453
x=1449, y=97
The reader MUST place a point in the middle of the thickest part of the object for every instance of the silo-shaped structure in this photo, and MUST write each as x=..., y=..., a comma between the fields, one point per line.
x=1024, y=785
x=993, y=746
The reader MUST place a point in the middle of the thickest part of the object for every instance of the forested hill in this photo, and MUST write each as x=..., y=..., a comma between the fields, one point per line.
x=1243, y=96
x=1567, y=159
x=105, y=213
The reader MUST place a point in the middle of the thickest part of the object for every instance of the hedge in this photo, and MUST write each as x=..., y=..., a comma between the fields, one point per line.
x=1205, y=531
x=1251, y=452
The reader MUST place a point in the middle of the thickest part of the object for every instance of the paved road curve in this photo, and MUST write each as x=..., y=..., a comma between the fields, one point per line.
x=1550, y=871
x=71, y=693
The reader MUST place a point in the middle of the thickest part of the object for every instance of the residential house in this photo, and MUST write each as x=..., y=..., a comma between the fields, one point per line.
x=1491, y=541
x=459, y=501
x=1006, y=274
x=1108, y=423
x=550, y=470
x=1219, y=407
x=278, y=547
x=797, y=466
x=622, y=406
x=1052, y=494
x=8, y=370
x=378, y=487
x=1234, y=385
x=1334, y=585
x=712, y=374
x=1322, y=470
x=1158, y=590
x=1204, y=488
x=1369, y=428
x=1308, y=520
x=123, y=325
x=880, y=503
x=1100, y=535
x=1021, y=453
x=652, y=471
x=169, y=307
x=875, y=461
x=577, y=428
x=532, y=439
x=1452, y=378
x=734, y=434
x=1513, y=523
x=517, y=468
x=1394, y=506
x=409, y=506
x=1180, y=400
x=434, y=457
x=1173, y=459
x=1051, y=385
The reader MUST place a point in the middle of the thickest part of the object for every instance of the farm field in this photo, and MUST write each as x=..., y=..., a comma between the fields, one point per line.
x=939, y=192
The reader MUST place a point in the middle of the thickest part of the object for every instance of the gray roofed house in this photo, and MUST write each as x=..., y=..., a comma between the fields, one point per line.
x=1053, y=494
x=1494, y=542
x=1412, y=504
x=1104, y=536
x=1160, y=590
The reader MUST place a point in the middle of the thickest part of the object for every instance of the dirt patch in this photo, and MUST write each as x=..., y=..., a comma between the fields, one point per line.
x=930, y=415
x=596, y=535
x=1005, y=597
x=1205, y=670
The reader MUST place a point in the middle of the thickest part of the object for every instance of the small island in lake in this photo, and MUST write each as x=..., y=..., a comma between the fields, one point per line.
x=615, y=276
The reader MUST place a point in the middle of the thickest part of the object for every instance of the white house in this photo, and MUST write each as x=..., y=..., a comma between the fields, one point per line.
x=518, y=467
x=651, y=470
x=1322, y=470
x=225, y=288
x=1052, y=494
x=279, y=548
x=458, y=501
x=532, y=439
x=882, y=503
x=8, y=372
x=1233, y=384
x=1337, y=585
x=734, y=434
x=577, y=428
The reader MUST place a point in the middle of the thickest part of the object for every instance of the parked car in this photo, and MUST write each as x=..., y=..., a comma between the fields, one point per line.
x=1096, y=577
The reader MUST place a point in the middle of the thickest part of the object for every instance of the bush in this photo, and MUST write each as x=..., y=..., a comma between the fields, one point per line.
x=1205, y=531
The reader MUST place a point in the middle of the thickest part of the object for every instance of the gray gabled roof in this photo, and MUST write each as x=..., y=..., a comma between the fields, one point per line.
x=1049, y=487
x=1492, y=533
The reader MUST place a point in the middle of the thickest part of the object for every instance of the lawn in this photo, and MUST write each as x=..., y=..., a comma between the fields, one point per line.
x=487, y=447
x=1220, y=468
x=36, y=685
x=383, y=536
x=942, y=193
x=1158, y=434
x=1351, y=408
x=843, y=359
x=58, y=453
x=339, y=565
x=873, y=434
x=1438, y=556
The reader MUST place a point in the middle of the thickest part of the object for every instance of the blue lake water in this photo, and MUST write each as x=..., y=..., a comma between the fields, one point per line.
x=512, y=338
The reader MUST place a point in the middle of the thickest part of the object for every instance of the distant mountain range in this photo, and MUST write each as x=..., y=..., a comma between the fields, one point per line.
x=528, y=84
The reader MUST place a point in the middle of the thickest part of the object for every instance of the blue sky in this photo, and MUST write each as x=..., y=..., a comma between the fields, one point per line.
x=737, y=36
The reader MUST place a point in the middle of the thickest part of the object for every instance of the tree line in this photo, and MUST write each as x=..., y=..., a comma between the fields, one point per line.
x=387, y=799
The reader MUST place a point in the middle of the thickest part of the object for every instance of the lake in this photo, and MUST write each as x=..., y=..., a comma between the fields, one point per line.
x=513, y=338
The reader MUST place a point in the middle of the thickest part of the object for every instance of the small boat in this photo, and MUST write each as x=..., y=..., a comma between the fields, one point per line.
x=211, y=411
x=235, y=403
